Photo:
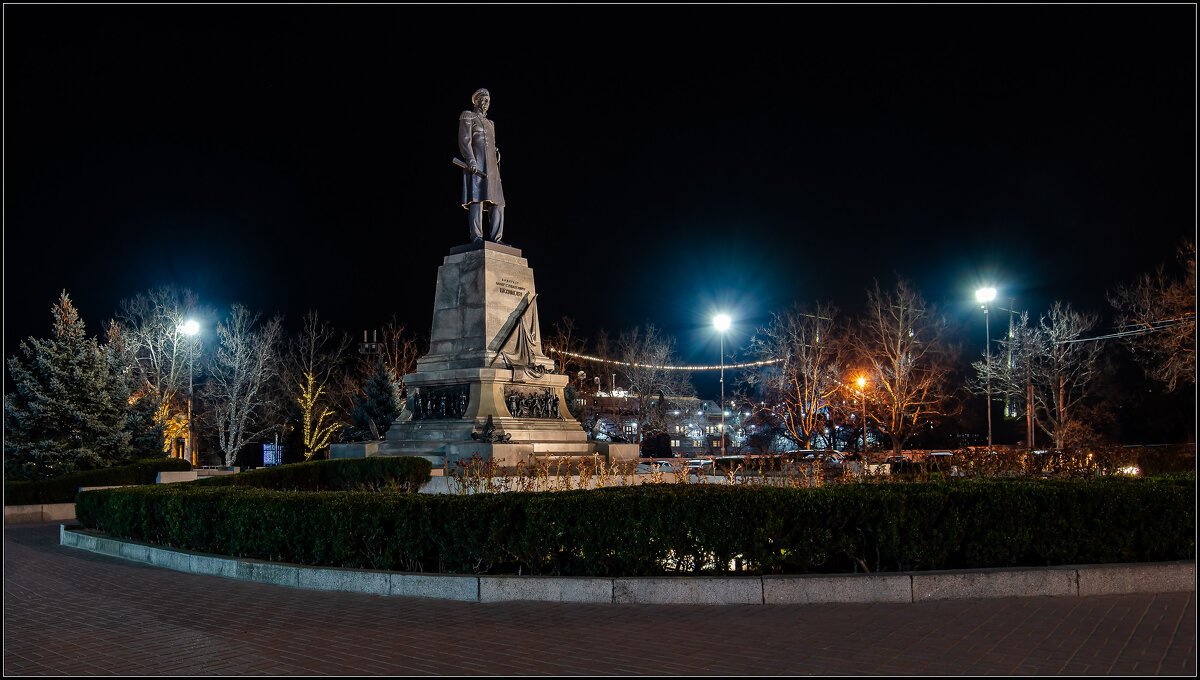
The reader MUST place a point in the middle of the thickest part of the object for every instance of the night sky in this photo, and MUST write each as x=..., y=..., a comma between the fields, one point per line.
x=659, y=162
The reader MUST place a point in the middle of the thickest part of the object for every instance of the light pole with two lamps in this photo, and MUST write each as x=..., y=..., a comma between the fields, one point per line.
x=721, y=322
x=1029, y=411
x=191, y=328
x=984, y=296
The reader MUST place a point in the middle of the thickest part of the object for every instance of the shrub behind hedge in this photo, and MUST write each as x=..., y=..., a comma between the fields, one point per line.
x=658, y=529
x=1166, y=459
x=380, y=473
x=63, y=489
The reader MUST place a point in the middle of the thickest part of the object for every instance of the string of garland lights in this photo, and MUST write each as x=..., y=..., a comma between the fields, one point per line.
x=752, y=364
x=1165, y=324
x=1161, y=325
x=859, y=391
x=585, y=357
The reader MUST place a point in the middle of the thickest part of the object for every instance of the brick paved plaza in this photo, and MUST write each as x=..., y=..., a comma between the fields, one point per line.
x=71, y=612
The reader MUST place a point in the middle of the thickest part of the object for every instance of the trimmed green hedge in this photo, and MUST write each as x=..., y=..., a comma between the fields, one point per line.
x=382, y=473
x=63, y=489
x=659, y=529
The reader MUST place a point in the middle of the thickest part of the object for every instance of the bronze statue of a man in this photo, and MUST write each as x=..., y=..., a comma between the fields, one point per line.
x=481, y=171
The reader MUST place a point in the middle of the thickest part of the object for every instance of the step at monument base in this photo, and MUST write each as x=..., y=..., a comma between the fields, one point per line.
x=506, y=454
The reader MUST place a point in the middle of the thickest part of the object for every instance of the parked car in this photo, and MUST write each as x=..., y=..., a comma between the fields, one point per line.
x=943, y=462
x=901, y=465
x=744, y=467
x=831, y=462
x=649, y=466
x=727, y=463
x=854, y=463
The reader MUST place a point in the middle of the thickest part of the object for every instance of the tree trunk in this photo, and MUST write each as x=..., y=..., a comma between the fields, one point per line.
x=1062, y=417
x=1029, y=413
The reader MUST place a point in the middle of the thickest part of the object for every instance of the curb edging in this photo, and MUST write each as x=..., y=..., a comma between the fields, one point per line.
x=906, y=587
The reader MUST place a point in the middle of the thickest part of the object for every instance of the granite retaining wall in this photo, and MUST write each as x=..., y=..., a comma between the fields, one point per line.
x=1064, y=581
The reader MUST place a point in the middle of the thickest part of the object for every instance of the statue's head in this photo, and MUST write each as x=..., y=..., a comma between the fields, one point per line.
x=482, y=98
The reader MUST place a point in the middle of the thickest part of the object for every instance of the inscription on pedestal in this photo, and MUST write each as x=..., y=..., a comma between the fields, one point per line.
x=431, y=403
x=510, y=287
x=532, y=403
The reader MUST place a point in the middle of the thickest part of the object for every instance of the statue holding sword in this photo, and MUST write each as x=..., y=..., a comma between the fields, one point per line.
x=480, y=162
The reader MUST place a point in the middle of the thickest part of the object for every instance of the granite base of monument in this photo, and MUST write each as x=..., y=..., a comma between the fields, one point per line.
x=485, y=387
x=353, y=450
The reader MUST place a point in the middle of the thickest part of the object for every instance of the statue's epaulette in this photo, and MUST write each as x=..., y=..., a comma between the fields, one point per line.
x=466, y=115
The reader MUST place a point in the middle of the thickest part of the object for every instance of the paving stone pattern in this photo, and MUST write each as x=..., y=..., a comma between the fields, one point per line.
x=72, y=612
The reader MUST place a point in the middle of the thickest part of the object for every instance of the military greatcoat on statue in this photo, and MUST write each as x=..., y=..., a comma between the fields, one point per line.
x=477, y=142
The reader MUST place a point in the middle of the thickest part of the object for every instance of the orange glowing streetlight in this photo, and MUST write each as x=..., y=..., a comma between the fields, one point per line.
x=862, y=383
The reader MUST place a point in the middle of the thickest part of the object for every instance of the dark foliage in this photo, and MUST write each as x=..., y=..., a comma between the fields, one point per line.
x=382, y=473
x=380, y=404
x=70, y=409
x=661, y=529
x=63, y=489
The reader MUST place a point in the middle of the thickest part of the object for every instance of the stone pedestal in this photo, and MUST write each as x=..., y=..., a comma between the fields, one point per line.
x=353, y=450
x=485, y=360
x=618, y=452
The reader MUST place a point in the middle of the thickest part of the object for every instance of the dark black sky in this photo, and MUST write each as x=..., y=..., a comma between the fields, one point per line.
x=659, y=162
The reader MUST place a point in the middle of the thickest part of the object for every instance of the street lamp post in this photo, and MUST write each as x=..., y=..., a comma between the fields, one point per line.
x=191, y=328
x=721, y=321
x=984, y=296
x=1029, y=429
x=862, y=383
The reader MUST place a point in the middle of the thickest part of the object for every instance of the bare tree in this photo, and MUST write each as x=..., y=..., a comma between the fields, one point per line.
x=1064, y=368
x=563, y=341
x=604, y=373
x=1012, y=380
x=238, y=389
x=316, y=422
x=314, y=360
x=161, y=355
x=1159, y=313
x=799, y=391
x=646, y=355
x=904, y=345
x=151, y=326
x=399, y=352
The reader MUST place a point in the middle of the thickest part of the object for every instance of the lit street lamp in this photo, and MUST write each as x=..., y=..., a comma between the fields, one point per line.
x=984, y=296
x=190, y=328
x=721, y=321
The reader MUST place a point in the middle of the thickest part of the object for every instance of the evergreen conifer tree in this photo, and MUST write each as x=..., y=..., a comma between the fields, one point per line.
x=380, y=404
x=70, y=410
